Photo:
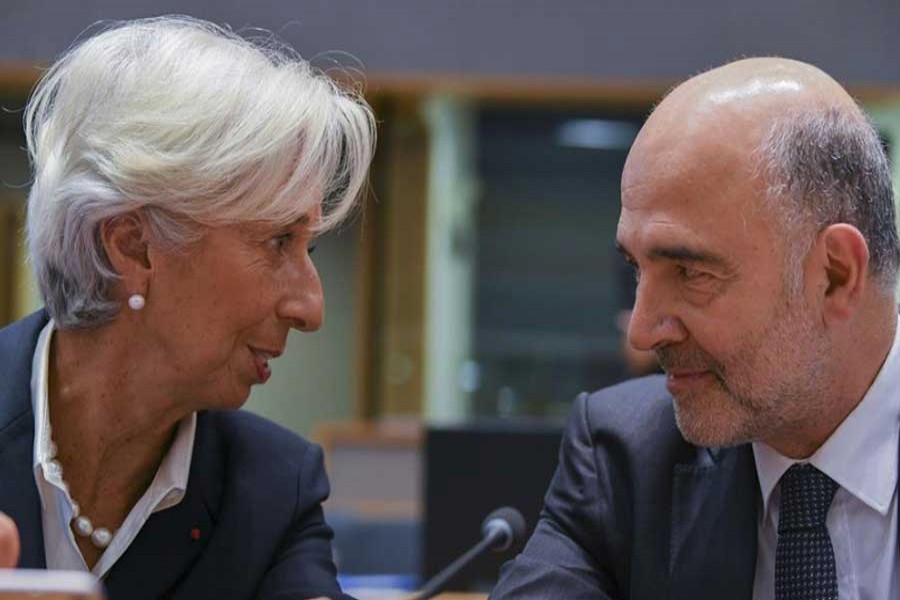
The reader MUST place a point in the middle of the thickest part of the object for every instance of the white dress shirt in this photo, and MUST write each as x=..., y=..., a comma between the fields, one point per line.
x=166, y=490
x=861, y=456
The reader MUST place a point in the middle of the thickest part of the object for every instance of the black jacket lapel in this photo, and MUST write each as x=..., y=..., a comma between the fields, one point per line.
x=160, y=557
x=18, y=493
x=714, y=526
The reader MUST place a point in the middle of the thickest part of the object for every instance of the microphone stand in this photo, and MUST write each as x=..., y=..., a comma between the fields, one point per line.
x=436, y=585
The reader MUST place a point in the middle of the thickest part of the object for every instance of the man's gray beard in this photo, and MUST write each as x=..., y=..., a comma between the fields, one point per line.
x=766, y=405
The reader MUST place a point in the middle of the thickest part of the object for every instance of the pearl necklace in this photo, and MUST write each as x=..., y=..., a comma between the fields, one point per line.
x=100, y=536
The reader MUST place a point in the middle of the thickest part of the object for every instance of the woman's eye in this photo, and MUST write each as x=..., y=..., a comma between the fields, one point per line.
x=280, y=242
x=311, y=249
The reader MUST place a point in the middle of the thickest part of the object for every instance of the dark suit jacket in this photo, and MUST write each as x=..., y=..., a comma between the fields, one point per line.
x=254, y=493
x=635, y=512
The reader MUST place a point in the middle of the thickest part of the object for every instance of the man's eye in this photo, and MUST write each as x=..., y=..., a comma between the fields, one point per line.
x=635, y=271
x=693, y=275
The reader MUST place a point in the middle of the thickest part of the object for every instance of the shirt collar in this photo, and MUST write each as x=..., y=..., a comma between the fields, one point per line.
x=170, y=481
x=39, y=378
x=172, y=477
x=866, y=443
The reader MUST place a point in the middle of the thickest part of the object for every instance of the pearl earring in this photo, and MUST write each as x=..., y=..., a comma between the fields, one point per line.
x=136, y=302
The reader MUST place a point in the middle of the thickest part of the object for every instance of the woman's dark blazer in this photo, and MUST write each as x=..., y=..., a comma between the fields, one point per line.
x=250, y=524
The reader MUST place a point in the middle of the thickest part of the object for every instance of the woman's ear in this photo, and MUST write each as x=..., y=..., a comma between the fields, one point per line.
x=845, y=257
x=125, y=239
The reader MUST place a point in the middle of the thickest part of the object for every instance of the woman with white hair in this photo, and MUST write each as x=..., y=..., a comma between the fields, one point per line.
x=181, y=173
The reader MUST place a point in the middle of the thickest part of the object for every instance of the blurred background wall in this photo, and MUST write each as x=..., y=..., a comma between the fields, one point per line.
x=480, y=283
x=599, y=39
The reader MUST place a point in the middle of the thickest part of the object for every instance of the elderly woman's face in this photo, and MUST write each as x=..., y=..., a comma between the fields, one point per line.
x=221, y=312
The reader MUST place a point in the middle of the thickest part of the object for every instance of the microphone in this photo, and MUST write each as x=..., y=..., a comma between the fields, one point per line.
x=499, y=531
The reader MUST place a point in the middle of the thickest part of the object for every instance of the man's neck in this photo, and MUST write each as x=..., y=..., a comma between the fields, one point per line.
x=855, y=365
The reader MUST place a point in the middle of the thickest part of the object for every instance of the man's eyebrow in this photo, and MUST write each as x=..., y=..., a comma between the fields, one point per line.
x=680, y=253
x=687, y=254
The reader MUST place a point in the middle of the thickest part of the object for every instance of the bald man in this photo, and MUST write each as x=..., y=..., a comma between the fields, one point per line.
x=758, y=214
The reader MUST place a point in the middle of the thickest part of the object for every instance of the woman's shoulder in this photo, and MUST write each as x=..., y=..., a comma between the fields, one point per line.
x=17, y=344
x=246, y=457
x=245, y=437
x=262, y=487
x=244, y=426
x=21, y=334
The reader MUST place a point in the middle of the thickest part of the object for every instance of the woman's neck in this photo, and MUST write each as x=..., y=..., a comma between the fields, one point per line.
x=112, y=419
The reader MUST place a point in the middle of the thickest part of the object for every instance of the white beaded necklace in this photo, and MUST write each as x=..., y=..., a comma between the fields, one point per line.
x=100, y=536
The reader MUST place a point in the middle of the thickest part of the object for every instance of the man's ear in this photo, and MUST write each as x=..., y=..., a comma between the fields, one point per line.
x=845, y=258
x=125, y=238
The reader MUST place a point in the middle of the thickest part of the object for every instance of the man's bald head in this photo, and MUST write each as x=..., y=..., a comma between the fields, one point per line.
x=789, y=124
x=757, y=211
x=761, y=85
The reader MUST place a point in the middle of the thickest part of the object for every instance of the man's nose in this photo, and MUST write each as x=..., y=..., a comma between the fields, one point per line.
x=654, y=322
x=303, y=304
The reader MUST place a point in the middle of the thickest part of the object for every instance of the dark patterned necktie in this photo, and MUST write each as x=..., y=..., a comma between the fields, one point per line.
x=804, y=557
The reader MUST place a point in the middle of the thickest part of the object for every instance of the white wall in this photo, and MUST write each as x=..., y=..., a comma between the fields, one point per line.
x=450, y=256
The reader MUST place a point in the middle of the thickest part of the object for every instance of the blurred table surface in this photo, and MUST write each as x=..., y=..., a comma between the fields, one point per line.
x=376, y=594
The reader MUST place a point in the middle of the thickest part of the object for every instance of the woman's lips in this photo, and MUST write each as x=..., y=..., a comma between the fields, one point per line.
x=263, y=372
x=261, y=360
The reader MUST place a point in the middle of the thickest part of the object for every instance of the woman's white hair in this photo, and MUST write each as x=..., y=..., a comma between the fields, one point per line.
x=192, y=125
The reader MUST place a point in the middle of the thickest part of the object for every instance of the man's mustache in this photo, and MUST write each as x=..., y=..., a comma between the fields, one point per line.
x=688, y=359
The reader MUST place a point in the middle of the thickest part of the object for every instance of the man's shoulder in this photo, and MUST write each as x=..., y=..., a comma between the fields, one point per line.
x=645, y=392
x=636, y=416
x=632, y=406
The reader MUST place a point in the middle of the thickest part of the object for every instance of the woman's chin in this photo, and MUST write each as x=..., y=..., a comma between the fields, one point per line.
x=231, y=399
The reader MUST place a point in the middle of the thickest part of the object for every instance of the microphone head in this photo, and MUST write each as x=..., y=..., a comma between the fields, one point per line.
x=506, y=525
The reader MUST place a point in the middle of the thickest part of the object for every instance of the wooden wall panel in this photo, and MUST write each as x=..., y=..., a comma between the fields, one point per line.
x=402, y=280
